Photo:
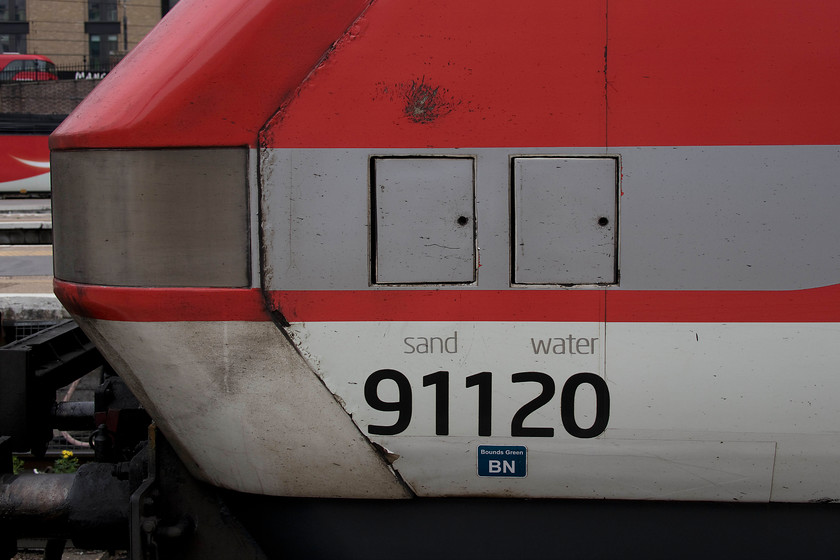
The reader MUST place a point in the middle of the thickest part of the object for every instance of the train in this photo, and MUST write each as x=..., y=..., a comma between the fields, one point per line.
x=24, y=137
x=26, y=163
x=430, y=251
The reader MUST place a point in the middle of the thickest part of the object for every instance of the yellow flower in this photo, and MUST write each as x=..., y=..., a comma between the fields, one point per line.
x=66, y=453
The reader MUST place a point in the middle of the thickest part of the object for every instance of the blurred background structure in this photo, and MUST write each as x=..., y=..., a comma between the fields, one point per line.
x=91, y=33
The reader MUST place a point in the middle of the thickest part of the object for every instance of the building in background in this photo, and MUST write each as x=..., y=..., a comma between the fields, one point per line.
x=95, y=33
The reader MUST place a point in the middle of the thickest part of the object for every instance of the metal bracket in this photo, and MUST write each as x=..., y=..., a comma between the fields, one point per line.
x=31, y=369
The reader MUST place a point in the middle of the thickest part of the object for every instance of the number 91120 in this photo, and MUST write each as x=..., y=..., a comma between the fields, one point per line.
x=483, y=382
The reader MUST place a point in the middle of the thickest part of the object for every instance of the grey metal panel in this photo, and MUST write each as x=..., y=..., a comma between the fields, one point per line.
x=424, y=220
x=692, y=217
x=730, y=217
x=176, y=218
x=564, y=220
x=314, y=211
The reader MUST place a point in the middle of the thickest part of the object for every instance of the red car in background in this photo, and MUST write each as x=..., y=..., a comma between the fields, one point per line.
x=16, y=67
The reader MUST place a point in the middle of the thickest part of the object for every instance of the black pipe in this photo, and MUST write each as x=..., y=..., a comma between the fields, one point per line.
x=73, y=416
x=90, y=506
x=35, y=505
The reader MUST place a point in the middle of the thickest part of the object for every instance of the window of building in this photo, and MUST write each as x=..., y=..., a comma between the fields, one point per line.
x=103, y=51
x=13, y=42
x=102, y=10
x=13, y=26
x=12, y=10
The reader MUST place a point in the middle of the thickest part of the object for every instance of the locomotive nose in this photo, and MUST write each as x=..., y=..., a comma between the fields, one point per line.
x=154, y=260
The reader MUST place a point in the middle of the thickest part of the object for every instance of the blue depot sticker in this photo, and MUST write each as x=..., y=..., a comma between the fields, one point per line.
x=502, y=460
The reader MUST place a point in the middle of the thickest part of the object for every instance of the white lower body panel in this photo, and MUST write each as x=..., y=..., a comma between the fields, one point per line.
x=243, y=410
x=710, y=411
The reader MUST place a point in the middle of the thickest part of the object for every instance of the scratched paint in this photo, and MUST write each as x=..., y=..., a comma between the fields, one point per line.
x=420, y=100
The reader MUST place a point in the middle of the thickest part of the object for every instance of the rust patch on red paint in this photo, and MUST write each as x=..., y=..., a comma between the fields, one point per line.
x=422, y=101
